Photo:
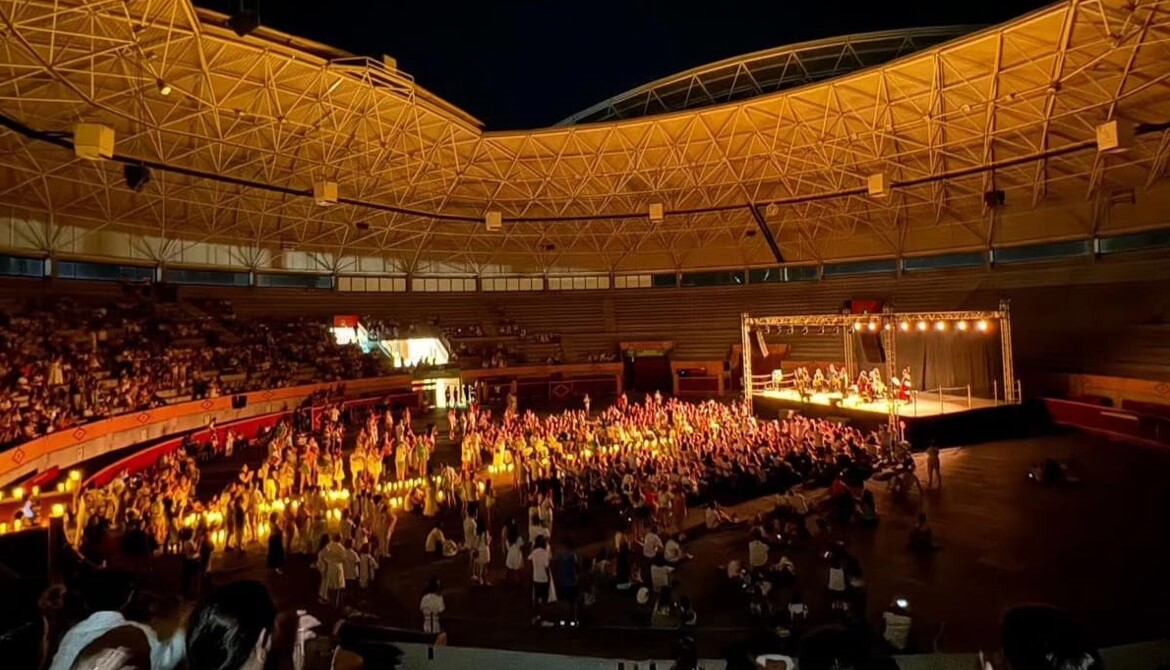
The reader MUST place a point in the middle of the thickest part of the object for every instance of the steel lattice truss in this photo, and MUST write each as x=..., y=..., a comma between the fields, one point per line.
x=1011, y=108
x=764, y=72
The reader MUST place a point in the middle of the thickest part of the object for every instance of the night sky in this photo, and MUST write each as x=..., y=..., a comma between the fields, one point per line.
x=518, y=64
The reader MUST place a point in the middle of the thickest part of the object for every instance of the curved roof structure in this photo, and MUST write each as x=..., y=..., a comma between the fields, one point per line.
x=767, y=71
x=250, y=124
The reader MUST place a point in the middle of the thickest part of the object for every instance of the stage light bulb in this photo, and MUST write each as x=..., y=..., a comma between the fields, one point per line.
x=982, y=325
x=962, y=325
x=940, y=325
x=872, y=326
x=921, y=325
x=857, y=326
x=905, y=326
x=887, y=326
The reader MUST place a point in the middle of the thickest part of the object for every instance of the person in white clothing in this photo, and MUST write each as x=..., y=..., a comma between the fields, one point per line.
x=330, y=560
x=109, y=593
x=540, y=571
x=896, y=624
x=757, y=553
x=350, y=563
x=367, y=567
x=432, y=607
x=482, y=554
x=837, y=578
x=651, y=547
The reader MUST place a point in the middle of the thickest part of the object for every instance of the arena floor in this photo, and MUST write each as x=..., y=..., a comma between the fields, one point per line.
x=1093, y=548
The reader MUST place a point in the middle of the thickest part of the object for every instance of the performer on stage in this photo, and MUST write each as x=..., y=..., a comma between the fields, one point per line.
x=835, y=380
x=777, y=379
x=818, y=381
x=864, y=389
x=904, y=389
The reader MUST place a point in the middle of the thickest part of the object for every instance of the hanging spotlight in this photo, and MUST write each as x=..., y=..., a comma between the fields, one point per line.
x=871, y=326
x=940, y=326
x=887, y=326
x=982, y=326
x=921, y=325
x=962, y=325
x=905, y=326
x=857, y=326
x=137, y=175
x=163, y=87
x=804, y=330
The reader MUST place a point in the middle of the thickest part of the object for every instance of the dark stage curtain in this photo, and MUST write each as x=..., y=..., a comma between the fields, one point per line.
x=952, y=359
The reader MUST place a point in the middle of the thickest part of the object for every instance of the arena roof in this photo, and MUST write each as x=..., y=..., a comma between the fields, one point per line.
x=251, y=123
x=767, y=71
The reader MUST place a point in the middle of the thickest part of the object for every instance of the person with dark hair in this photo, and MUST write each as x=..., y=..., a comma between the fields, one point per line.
x=231, y=629
x=1039, y=637
x=275, y=545
x=107, y=593
x=540, y=573
x=432, y=606
x=567, y=567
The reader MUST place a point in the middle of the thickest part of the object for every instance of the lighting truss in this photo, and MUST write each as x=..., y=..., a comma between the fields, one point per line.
x=849, y=320
x=887, y=322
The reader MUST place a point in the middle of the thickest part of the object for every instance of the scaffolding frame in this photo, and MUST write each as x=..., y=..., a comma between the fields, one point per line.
x=886, y=324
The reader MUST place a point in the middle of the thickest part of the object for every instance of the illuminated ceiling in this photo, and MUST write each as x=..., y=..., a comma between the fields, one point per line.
x=251, y=123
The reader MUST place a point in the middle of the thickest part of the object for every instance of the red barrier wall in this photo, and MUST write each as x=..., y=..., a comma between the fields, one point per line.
x=248, y=428
x=1120, y=422
x=68, y=447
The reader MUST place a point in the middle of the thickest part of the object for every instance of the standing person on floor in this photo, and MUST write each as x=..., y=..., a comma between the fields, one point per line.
x=329, y=561
x=540, y=574
x=275, y=545
x=567, y=568
x=513, y=552
x=933, y=467
x=367, y=567
x=483, y=553
x=432, y=607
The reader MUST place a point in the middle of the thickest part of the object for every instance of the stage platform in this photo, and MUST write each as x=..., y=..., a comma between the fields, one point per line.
x=946, y=420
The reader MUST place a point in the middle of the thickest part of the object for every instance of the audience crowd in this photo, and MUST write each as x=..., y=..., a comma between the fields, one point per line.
x=64, y=363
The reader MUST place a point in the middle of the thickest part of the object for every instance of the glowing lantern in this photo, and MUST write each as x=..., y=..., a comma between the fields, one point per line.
x=57, y=511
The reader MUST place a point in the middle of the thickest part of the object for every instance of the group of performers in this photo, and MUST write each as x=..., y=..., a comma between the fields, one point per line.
x=868, y=387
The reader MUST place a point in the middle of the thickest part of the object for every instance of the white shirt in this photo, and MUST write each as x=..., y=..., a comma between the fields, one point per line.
x=432, y=606
x=711, y=518
x=836, y=579
x=651, y=545
x=350, y=564
x=660, y=576
x=757, y=554
x=164, y=655
x=539, y=558
x=897, y=629
x=673, y=552
x=367, y=566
